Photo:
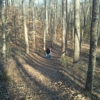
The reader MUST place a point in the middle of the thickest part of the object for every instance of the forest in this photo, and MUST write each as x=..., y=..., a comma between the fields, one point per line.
x=70, y=29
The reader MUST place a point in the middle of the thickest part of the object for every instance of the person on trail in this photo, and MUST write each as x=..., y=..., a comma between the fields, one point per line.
x=48, y=53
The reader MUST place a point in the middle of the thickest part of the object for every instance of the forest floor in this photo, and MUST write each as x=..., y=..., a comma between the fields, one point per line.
x=33, y=77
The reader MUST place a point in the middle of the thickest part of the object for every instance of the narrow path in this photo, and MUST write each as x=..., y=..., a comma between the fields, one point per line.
x=35, y=78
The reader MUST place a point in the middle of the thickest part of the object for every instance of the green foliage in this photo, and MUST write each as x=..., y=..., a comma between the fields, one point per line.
x=63, y=61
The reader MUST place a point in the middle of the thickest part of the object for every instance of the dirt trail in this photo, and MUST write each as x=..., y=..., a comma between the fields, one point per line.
x=35, y=78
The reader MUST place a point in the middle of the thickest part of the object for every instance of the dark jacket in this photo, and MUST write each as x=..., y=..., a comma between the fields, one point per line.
x=47, y=50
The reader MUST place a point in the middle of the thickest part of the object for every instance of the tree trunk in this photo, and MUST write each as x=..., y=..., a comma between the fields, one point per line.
x=14, y=18
x=1, y=8
x=99, y=26
x=67, y=26
x=33, y=14
x=46, y=19
x=55, y=18
x=93, y=46
x=45, y=7
x=4, y=29
x=77, y=32
x=64, y=27
x=25, y=28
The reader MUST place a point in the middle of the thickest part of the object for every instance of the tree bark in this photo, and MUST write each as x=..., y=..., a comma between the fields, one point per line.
x=93, y=46
x=33, y=14
x=45, y=7
x=1, y=9
x=25, y=28
x=4, y=29
x=64, y=27
x=77, y=32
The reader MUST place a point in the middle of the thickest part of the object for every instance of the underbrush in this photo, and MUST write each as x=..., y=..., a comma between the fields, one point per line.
x=63, y=61
x=3, y=73
x=4, y=77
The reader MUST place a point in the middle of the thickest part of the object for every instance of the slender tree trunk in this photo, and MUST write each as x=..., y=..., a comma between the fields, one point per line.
x=64, y=27
x=51, y=22
x=73, y=26
x=38, y=10
x=83, y=18
x=55, y=17
x=93, y=46
x=14, y=18
x=0, y=8
x=33, y=14
x=46, y=19
x=45, y=24
x=77, y=32
x=67, y=26
x=25, y=28
x=50, y=15
x=91, y=1
x=99, y=24
x=73, y=35
x=4, y=29
x=84, y=23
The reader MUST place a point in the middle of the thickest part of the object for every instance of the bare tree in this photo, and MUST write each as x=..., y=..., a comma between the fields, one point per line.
x=51, y=21
x=0, y=8
x=77, y=31
x=85, y=6
x=99, y=25
x=45, y=7
x=4, y=28
x=32, y=14
x=55, y=19
x=33, y=17
x=93, y=46
x=64, y=15
x=25, y=28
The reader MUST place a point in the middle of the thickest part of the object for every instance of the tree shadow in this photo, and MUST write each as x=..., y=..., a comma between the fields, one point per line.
x=70, y=52
x=97, y=83
x=53, y=95
x=67, y=77
x=51, y=69
x=3, y=83
x=46, y=70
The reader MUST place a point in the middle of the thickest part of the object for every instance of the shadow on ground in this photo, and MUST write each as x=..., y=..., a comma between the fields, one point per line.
x=48, y=78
